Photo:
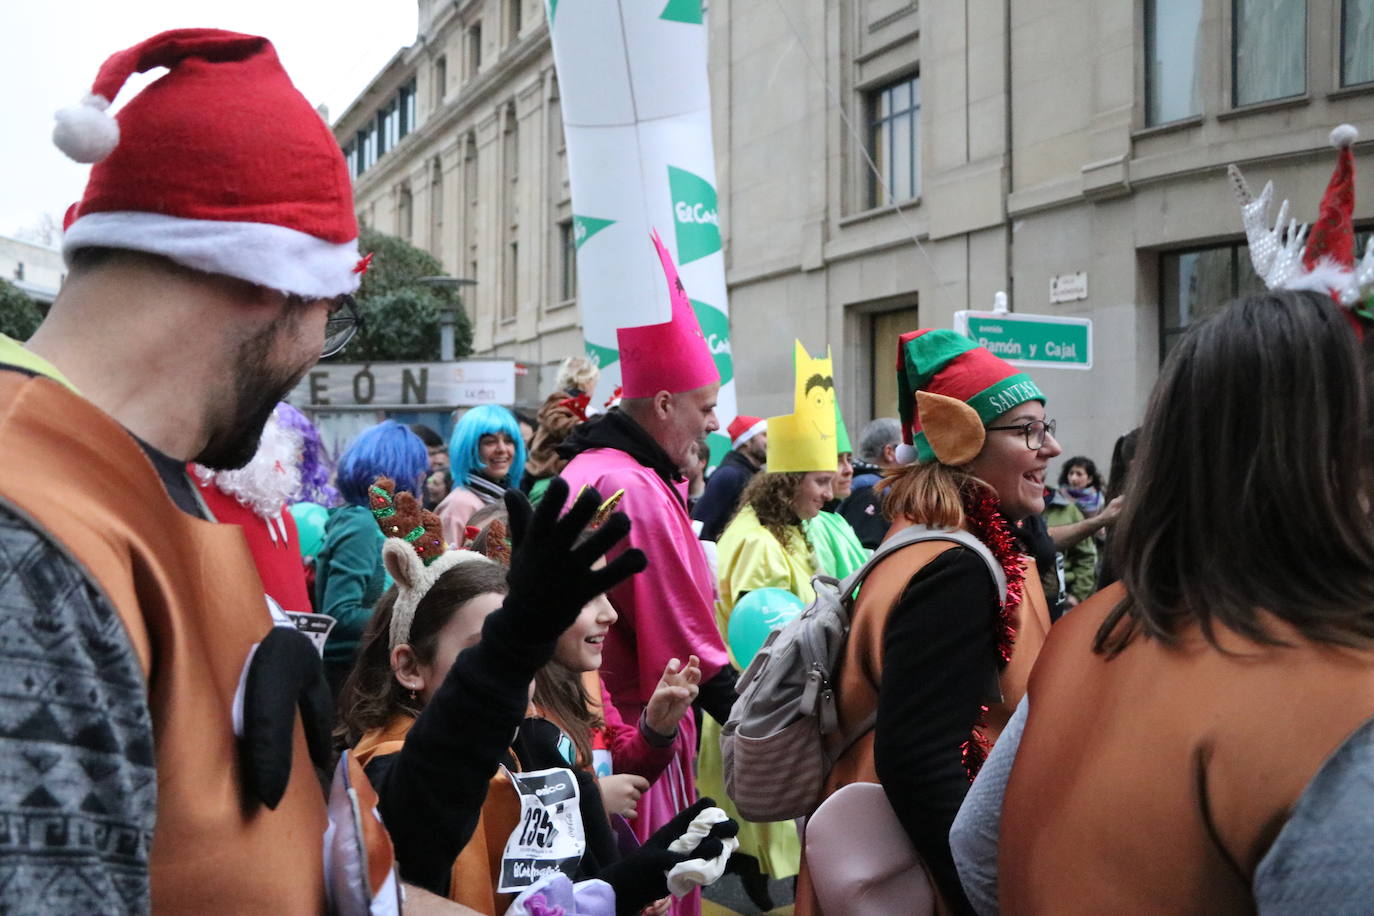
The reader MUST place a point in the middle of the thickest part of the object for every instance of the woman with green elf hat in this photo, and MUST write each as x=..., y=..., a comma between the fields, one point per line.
x=938, y=652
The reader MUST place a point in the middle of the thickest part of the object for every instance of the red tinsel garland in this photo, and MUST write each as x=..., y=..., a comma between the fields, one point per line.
x=983, y=512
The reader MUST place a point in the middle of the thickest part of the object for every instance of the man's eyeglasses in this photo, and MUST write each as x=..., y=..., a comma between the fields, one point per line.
x=1035, y=432
x=344, y=321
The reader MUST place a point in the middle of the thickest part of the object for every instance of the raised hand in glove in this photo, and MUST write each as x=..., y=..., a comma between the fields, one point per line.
x=551, y=575
x=642, y=877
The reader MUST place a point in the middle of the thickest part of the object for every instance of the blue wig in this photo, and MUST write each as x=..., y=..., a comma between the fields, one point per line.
x=386, y=450
x=484, y=421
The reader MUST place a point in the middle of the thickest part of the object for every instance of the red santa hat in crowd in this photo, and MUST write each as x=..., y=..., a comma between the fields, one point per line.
x=220, y=165
x=743, y=428
x=672, y=356
x=1287, y=257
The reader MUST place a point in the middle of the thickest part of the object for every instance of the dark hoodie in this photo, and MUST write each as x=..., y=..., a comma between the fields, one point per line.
x=616, y=430
x=723, y=488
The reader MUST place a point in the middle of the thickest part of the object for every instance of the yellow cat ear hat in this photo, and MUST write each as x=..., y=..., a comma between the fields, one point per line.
x=805, y=440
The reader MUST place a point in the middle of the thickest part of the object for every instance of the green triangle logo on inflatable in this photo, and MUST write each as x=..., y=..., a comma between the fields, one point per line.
x=715, y=327
x=688, y=11
x=553, y=8
x=584, y=227
x=694, y=213
x=602, y=356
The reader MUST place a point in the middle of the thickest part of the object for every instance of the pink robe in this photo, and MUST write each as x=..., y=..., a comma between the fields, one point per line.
x=667, y=611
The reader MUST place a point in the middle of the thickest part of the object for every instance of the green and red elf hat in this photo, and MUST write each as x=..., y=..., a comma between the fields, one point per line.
x=949, y=389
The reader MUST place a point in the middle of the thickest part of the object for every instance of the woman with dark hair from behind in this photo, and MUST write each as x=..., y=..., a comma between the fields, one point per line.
x=1214, y=711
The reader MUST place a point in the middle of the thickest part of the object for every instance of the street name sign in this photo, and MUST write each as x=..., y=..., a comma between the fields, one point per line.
x=1031, y=340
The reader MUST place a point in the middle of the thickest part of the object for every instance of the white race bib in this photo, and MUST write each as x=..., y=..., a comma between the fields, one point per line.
x=549, y=838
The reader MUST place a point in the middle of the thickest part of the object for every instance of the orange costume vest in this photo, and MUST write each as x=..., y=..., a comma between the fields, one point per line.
x=860, y=672
x=1156, y=780
x=477, y=870
x=193, y=606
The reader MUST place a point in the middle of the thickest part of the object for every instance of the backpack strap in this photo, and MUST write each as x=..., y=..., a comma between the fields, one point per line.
x=914, y=534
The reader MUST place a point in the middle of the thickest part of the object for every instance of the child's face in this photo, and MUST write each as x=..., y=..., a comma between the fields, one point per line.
x=463, y=629
x=579, y=648
x=1078, y=477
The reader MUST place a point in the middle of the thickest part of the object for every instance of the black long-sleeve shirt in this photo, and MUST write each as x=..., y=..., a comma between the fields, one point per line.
x=431, y=792
x=939, y=658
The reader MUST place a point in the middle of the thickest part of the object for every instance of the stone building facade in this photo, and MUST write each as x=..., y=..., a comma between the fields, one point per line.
x=1017, y=143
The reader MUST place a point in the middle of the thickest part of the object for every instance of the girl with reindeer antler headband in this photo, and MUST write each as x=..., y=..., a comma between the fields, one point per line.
x=441, y=683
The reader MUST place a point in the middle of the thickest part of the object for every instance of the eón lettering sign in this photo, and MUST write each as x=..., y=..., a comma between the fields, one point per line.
x=458, y=384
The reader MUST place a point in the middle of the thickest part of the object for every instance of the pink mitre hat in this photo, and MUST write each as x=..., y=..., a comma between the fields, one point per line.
x=672, y=356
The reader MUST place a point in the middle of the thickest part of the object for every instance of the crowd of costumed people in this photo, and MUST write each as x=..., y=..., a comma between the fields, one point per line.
x=574, y=669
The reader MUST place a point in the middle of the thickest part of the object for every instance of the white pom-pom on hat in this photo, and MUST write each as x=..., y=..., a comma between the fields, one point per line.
x=1343, y=135
x=85, y=132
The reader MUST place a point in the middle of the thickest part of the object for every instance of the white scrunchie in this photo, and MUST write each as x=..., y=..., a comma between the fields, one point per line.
x=685, y=876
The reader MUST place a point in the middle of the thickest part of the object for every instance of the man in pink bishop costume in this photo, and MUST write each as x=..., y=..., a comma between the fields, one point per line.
x=668, y=403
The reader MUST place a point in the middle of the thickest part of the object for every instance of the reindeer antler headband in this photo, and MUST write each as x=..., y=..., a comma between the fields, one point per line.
x=414, y=552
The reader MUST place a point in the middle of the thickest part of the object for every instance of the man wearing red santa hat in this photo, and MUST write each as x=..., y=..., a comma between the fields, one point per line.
x=154, y=757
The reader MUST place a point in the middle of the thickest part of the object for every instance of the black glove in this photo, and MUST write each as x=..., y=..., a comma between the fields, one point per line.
x=285, y=673
x=551, y=576
x=642, y=877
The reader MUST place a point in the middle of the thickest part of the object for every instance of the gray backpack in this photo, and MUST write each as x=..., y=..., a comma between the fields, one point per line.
x=774, y=746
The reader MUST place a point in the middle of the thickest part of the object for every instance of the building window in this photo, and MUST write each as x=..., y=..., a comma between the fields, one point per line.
x=468, y=253
x=440, y=80
x=513, y=19
x=567, y=256
x=367, y=147
x=474, y=49
x=406, y=107
x=883, y=330
x=405, y=214
x=1269, y=50
x=1357, y=42
x=19, y=270
x=510, y=211
x=350, y=157
x=510, y=290
x=436, y=209
x=1196, y=283
x=894, y=141
x=1173, y=60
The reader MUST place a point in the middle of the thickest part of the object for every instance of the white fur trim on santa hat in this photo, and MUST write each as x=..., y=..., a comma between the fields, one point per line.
x=261, y=253
x=1343, y=135
x=749, y=433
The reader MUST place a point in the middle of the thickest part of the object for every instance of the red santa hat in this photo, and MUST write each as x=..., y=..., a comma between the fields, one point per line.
x=672, y=356
x=1288, y=257
x=743, y=428
x=220, y=165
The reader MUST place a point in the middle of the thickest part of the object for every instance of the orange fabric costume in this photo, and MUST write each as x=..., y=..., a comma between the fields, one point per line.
x=193, y=607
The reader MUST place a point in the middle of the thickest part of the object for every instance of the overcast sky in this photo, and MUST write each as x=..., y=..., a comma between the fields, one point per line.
x=50, y=51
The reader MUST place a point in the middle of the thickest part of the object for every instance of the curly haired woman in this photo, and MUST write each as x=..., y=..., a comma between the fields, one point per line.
x=766, y=546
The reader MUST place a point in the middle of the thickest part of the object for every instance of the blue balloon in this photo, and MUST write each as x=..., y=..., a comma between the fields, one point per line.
x=755, y=616
x=310, y=519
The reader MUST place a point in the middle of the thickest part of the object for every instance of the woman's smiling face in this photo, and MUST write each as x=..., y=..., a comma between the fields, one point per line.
x=496, y=452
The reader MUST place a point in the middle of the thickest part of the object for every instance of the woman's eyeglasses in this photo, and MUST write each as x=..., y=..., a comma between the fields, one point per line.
x=344, y=321
x=1035, y=432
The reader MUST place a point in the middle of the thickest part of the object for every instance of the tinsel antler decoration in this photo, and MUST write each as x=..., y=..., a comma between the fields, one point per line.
x=1275, y=254
x=1324, y=259
x=414, y=551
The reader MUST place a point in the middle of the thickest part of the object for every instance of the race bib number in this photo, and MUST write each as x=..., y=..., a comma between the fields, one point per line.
x=549, y=838
x=316, y=626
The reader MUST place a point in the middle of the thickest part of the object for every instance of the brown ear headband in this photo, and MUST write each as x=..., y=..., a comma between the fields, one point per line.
x=953, y=429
